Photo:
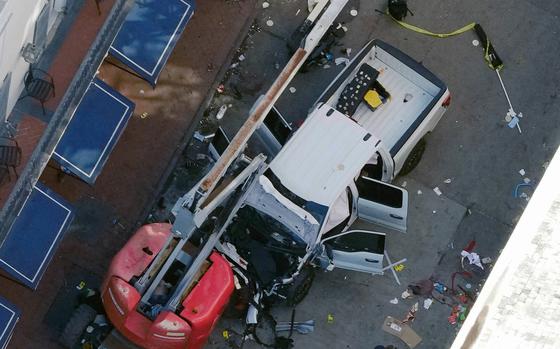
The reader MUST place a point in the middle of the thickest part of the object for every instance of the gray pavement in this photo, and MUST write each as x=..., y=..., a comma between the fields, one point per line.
x=472, y=146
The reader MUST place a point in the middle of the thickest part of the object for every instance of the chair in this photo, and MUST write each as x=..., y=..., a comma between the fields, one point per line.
x=10, y=156
x=39, y=85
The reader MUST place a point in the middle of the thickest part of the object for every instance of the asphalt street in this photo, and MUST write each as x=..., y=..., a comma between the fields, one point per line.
x=472, y=156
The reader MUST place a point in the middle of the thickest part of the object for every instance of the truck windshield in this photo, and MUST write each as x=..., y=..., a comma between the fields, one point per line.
x=265, y=229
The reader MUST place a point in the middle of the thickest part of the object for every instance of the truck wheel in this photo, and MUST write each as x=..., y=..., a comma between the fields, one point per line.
x=301, y=286
x=80, y=319
x=414, y=157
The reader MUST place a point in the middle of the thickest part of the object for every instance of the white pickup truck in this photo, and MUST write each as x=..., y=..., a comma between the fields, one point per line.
x=297, y=210
x=390, y=95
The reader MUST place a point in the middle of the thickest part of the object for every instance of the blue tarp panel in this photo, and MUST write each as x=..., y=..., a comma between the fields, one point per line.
x=93, y=131
x=34, y=236
x=149, y=34
x=9, y=315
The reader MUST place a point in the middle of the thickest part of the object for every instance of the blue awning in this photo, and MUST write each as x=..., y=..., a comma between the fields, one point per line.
x=34, y=235
x=149, y=34
x=9, y=315
x=93, y=131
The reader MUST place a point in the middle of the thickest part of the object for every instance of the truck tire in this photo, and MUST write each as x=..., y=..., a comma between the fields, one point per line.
x=414, y=157
x=80, y=319
x=301, y=286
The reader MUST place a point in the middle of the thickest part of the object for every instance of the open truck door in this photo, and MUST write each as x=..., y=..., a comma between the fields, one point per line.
x=382, y=203
x=358, y=250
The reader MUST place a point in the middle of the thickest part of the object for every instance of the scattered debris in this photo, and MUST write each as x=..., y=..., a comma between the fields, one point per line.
x=221, y=88
x=406, y=294
x=141, y=92
x=419, y=192
x=522, y=172
x=427, y=303
x=434, y=212
x=225, y=334
x=411, y=315
x=144, y=115
x=403, y=184
x=342, y=60
x=468, y=286
x=451, y=245
x=526, y=180
x=265, y=4
x=353, y=12
x=241, y=57
x=421, y=288
x=516, y=193
x=330, y=318
x=298, y=11
x=81, y=285
x=472, y=257
x=394, y=301
x=437, y=191
x=475, y=42
x=304, y=327
x=221, y=112
x=402, y=331
x=447, y=181
x=292, y=89
x=486, y=260
x=347, y=51
x=440, y=287
x=270, y=23
x=458, y=314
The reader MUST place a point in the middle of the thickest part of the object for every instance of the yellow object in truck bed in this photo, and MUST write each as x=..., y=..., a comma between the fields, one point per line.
x=372, y=99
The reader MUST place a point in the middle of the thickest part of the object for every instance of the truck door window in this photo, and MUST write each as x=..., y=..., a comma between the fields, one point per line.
x=374, y=171
x=378, y=192
x=358, y=241
x=277, y=126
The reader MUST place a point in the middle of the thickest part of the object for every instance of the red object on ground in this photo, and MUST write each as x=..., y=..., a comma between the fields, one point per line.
x=470, y=246
x=202, y=307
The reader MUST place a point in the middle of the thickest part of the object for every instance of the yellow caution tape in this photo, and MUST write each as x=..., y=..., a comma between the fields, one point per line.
x=466, y=28
x=427, y=32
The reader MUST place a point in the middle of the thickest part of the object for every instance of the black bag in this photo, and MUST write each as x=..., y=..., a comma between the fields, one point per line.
x=398, y=9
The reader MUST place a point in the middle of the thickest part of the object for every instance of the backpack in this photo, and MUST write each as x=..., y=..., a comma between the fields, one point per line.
x=397, y=9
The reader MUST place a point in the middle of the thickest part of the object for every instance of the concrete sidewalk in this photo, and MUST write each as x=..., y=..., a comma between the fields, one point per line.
x=107, y=213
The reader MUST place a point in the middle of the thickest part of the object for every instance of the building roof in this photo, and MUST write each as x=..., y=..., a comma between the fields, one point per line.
x=323, y=156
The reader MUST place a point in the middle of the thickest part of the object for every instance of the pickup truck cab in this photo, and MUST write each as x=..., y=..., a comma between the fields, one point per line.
x=390, y=95
x=297, y=210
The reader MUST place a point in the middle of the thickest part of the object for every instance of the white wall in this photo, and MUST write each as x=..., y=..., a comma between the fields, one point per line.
x=17, y=23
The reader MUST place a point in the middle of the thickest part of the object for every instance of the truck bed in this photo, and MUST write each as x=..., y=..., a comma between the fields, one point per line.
x=401, y=77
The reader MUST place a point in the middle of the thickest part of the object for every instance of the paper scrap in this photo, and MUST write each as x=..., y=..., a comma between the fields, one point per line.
x=293, y=90
x=394, y=301
x=403, y=184
x=395, y=327
x=526, y=180
x=437, y=191
x=447, y=181
x=427, y=303
x=419, y=192
x=522, y=172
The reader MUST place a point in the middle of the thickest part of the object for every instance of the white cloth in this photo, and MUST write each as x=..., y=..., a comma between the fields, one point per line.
x=473, y=258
